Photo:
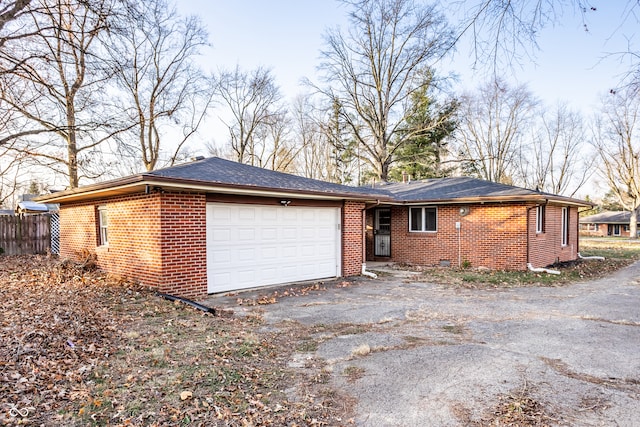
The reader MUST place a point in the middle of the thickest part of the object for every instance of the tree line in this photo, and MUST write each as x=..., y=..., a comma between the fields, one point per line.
x=95, y=89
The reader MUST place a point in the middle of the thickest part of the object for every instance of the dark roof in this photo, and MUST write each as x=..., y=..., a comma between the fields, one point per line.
x=620, y=217
x=215, y=170
x=463, y=189
x=225, y=176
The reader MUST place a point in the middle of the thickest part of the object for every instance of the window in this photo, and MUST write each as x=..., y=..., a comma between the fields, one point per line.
x=565, y=226
x=103, y=225
x=540, y=212
x=422, y=219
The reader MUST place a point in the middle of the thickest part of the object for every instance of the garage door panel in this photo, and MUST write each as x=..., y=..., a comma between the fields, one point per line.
x=253, y=245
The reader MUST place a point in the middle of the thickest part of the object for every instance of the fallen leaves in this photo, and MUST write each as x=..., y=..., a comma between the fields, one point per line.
x=78, y=347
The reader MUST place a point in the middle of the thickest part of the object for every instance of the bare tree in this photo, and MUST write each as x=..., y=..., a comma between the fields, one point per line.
x=327, y=147
x=555, y=160
x=506, y=31
x=491, y=124
x=152, y=56
x=374, y=67
x=617, y=140
x=253, y=101
x=10, y=12
x=52, y=82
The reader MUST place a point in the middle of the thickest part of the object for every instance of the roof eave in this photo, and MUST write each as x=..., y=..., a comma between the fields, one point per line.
x=139, y=183
x=494, y=199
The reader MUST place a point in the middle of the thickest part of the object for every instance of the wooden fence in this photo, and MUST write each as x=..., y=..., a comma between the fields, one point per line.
x=25, y=234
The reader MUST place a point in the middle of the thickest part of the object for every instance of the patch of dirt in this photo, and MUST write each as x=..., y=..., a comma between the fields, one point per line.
x=482, y=278
x=518, y=408
x=79, y=347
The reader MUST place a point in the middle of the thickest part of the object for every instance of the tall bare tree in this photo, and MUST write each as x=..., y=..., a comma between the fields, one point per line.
x=617, y=140
x=491, y=125
x=253, y=101
x=10, y=12
x=373, y=68
x=52, y=81
x=152, y=56
x=555, y=159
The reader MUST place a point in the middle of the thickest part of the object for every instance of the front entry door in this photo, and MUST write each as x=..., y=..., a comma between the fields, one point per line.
x=382, y=232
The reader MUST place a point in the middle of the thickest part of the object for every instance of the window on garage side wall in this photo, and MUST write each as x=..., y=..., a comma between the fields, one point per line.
x=103, y=226
x=423, y=218
x=540, y=214
x=565, y=226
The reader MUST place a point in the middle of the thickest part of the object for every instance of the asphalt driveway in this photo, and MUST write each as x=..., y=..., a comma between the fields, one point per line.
x=419, y=354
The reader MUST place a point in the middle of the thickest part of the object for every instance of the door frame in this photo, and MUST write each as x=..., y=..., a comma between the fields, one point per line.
x=381, y=235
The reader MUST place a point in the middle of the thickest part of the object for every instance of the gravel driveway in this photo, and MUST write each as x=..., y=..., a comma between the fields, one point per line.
x=419, y=354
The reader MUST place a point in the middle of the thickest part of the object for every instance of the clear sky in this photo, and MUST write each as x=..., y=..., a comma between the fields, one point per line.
x=286, y=35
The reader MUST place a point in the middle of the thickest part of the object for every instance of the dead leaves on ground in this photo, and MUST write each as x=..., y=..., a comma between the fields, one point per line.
x=78, y=347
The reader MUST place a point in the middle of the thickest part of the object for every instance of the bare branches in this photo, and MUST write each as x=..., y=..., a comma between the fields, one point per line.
x=374, y=68
x=152, y=57
x=491, y=129
x=253, y=100
x=617, y=141
x=52, y=80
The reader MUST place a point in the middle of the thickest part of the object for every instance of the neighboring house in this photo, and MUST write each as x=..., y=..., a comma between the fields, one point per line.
x=470, y=222
x=214, y=225
x=606, y=224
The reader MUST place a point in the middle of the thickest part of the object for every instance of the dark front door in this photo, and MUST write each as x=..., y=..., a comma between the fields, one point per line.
x=382, y=232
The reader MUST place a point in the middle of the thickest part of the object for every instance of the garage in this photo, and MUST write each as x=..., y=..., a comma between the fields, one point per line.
x=257, y=245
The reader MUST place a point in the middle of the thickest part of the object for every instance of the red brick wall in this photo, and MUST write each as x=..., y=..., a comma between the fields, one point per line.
x=134, y=235
x=184, y=244
x=546, y=248
x=157, y=240
x=352, y=238
x=491, y=235
x=603, y=231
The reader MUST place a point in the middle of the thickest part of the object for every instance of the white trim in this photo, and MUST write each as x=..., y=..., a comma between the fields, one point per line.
x=423, y=219
x=564, y=228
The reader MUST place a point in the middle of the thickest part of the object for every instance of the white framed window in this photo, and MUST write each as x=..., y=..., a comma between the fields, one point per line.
x=423, y=219
x=103, y=226
x=565, y=226
x=540, y=218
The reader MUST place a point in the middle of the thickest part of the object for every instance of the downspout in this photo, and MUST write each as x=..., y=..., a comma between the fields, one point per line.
x=364, y=271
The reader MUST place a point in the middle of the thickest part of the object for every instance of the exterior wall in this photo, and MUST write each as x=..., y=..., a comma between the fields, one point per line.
x=604, y=230
x=491, y=235
x=134, y=236
x=352, y=238
x=546, y=248
x=184, y=244
x=157, y=240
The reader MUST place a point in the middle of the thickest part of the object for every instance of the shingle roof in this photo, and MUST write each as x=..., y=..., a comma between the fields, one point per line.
x=218, y=175
x=607, y=218
x=215, y=170
x=456, y=188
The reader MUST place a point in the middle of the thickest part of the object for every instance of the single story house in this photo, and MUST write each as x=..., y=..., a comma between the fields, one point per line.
x=214, y=225
x=606, y=224
x=470, y=222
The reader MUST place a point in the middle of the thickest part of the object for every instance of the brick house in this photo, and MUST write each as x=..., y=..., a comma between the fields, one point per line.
x=469, y=222
x=605, y=224
x=213, y=225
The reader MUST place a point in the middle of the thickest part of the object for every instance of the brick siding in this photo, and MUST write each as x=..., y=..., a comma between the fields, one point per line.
x=352, y=238
x=159, y=240
x=491, y=235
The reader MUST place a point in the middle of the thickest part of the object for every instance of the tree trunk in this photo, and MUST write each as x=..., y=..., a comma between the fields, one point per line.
x=633, y=224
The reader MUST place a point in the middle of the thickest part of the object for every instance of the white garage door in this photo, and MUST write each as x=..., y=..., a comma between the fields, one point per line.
x=256, y=245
